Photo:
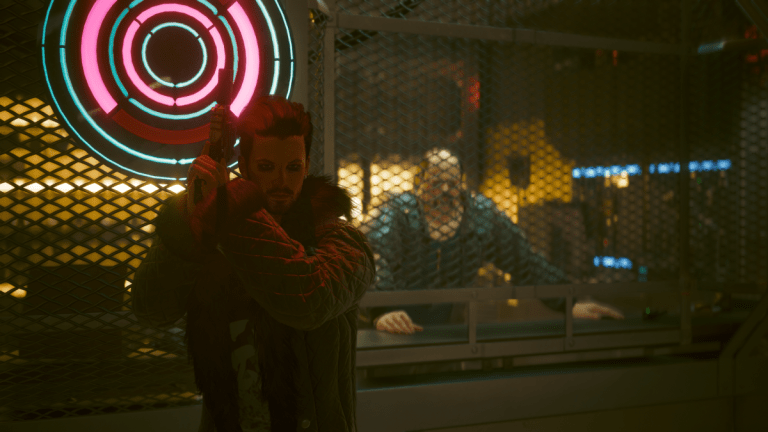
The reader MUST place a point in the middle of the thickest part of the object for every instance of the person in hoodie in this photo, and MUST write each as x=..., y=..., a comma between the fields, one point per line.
x=270, y=287
x=439, y=236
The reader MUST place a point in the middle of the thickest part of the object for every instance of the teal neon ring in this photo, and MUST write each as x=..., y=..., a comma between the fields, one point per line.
x=125, y=91
x=152, y=73
x=150, y=111
x=234, y=45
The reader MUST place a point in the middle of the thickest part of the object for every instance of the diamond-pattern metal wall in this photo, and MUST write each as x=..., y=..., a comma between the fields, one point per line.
x=578, y=147
x=73, y=231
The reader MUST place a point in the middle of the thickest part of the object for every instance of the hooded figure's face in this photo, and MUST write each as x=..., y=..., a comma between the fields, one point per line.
x=440, y=188
x=278, y=167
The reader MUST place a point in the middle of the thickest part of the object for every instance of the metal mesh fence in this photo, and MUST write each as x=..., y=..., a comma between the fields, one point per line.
x=515, y=116
x=581, y=149
x=727, y=127
x=72, y=233
x=577, y=148
x=654, y=20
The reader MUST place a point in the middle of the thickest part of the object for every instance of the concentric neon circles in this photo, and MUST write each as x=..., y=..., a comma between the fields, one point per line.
x=139, y=105
x=128, y=55
x=90, y=81
x=153, y=74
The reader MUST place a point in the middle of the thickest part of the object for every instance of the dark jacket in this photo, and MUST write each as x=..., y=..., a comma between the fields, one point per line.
x=409, y=259
x=288, y=305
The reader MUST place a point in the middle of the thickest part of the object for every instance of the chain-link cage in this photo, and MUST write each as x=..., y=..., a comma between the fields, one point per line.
x=574, y=152
x=558, y=139
x=579, y=148
x=727, y=126
x=73, y=232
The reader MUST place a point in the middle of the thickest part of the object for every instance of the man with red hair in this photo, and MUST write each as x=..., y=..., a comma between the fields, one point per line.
x=270, y=287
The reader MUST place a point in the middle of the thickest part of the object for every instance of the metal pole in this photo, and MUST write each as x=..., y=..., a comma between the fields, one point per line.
x=685, y=181
x=472, y=320
x=329, y=92
x=569, y=341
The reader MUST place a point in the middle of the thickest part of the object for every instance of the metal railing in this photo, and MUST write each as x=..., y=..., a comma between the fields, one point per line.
x=651, y=338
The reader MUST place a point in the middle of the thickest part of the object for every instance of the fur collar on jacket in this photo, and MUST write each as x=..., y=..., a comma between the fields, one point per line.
x=318, y=197
x=320, y=201
x=218, y=299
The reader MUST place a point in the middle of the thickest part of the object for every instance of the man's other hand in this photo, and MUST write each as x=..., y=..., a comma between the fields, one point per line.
x=592, y=310
x=397, y=322
x=213, y=174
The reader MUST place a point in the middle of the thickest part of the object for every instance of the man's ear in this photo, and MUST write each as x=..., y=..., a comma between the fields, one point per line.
x=243, y=167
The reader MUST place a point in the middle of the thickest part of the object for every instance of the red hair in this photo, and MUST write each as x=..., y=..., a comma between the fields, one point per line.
x=274, y=116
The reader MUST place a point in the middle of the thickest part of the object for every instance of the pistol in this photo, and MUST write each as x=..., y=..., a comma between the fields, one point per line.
x=222, y=134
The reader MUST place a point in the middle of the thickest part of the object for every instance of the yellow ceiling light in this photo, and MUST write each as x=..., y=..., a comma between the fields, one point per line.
x=7, y=288
x=64, y=187
x=149, y=188
x=357, y=207
x=550, y=171
x=34, y=102
x=350, y=178
x=6, y=187
x=620, y=180
x=122, y=188
x=19, y=109
x=34, y=187
x=34, y=117
x=93, y=188
x=177, y=188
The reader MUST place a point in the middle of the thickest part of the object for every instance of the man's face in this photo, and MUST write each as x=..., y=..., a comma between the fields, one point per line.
x=278, y=167
x=441, y=188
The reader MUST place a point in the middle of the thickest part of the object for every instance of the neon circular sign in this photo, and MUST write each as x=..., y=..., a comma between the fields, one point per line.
x=135, y=81
x=149, y=68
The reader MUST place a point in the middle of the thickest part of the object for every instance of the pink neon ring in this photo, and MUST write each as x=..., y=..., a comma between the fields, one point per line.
x=251, y=52
x=128, y=60
x=88, y=56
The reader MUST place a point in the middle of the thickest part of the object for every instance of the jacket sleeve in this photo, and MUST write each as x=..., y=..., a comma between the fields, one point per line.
x=300, y=289
x=167, y=274
x=383, y=231
x=513, y=255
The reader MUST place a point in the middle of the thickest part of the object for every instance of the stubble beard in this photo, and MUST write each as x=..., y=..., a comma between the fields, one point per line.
x=279, y=208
